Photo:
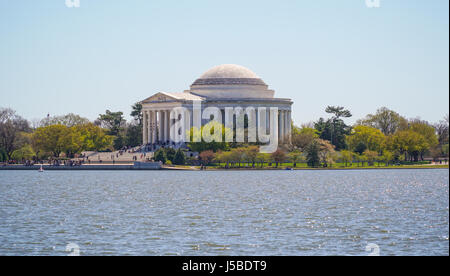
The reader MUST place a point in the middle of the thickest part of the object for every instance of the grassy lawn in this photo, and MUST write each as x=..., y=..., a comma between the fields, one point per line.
x=300, y=166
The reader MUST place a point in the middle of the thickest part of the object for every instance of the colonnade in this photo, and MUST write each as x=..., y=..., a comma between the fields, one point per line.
x=157, y=126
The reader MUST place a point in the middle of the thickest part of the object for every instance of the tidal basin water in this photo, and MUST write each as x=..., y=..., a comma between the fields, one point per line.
x=403, y=212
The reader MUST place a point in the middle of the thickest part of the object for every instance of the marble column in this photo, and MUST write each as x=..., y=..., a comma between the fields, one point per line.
x=279, y=126
x=149, y=127
x=144, y=128
x=286, y=122
x=167, y=126
x=153, y=127
x=160, y=126
x=187, y=124
x=289, y=126
x=172, y=129
x=162, y=120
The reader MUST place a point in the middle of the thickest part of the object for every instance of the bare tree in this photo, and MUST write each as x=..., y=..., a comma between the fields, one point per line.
x=11, y=127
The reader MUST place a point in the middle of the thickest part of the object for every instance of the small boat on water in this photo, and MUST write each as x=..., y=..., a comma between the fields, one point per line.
x=289, y=169
x=41, y=169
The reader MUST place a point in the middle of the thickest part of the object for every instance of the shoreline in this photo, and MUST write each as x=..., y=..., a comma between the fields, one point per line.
x=130, y=167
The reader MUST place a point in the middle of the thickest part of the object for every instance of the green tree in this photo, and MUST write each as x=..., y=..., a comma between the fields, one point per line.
x=365, y=137
x=160, y=155
x=347, y=157
x=302, y=137
x=334, y=129
x=170, y=154
x=94, y=138
x=428, y=132
x=72, y=142
x=134, y=132
x=50, y=139
x=180, y=158
x=224, y=157
x=115, y=123
x=386, y=120
x=408, y=142
x=388, y=157
x=371, y=157
x=133, y=135
x=136, y=113
x=3, y=156
x=24, y=153
x=11, y=128
x=68, y=120
x=295, y=157
x=312, y=154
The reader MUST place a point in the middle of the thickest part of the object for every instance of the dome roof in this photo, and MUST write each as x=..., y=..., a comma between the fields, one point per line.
x=229, y=74
x=229, y=71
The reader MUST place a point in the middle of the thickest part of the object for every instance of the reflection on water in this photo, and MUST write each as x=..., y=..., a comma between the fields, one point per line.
x=404, y=212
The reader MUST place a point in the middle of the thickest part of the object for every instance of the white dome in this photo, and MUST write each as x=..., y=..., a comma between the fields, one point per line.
x=231, y=71
x=230, y=81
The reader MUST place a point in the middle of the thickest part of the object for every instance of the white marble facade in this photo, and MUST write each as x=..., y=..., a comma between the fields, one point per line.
x=223, y=87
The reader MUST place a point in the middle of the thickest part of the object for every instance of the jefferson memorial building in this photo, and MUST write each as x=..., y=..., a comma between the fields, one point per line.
x=222, y=87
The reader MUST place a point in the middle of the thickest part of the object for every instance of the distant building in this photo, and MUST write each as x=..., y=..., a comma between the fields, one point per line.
x=222, y=86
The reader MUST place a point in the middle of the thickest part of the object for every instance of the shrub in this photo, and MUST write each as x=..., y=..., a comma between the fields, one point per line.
x=180, y=158
x=160, y=156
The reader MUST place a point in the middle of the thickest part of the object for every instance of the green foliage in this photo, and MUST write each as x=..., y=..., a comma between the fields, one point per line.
x=338, y=112
x=94, y=138
x=347, y=157
x=312, y=154
x=113, y=121
x=334, y=129
x=386, y=120
x=3, y=156
x=179, y=158
x=50, y=139
x=365, y=137
x=388, y=157
x=295, y=157
x=136, y=113
x=217, y=143
x=370, y=156
x=360, y=148
x=68, y=120
x=408, y=142
x=70, y=140
x=24, y=153
x=170, y=154
x=133, y=135
x=160, y=155
x=12, y=127
x=445, y=150
x=302, y=137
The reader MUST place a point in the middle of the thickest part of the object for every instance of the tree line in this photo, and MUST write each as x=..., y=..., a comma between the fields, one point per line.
x=384, y=136
x=67, y=135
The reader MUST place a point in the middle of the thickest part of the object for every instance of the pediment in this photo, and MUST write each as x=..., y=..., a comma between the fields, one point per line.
x=160, y=97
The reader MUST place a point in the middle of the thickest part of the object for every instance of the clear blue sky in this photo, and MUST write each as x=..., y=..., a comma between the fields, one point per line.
x=108, y=54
